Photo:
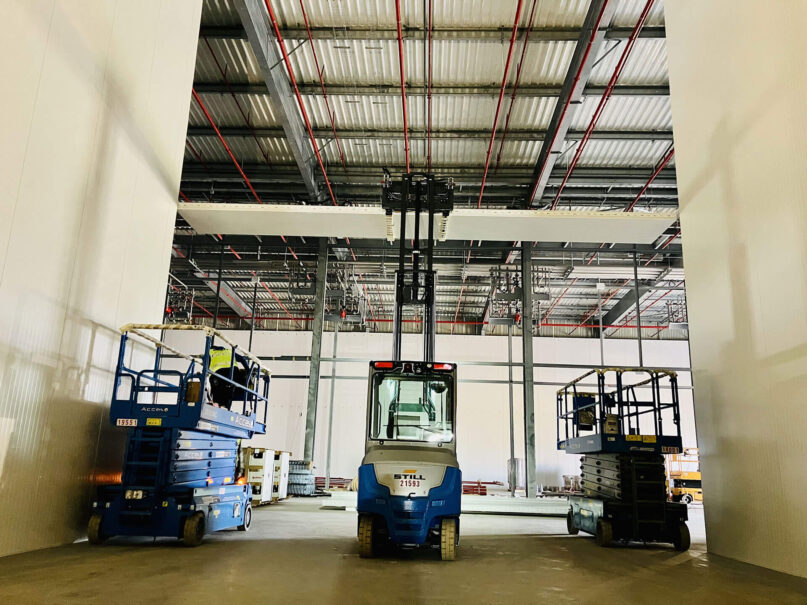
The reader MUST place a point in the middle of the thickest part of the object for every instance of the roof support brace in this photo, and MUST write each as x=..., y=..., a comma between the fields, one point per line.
x=255, y=21
x=592, y=36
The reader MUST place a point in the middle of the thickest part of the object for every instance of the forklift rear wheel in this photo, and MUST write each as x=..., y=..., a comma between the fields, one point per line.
x=194, y=529
x=366, y=536
x=94, y=533
x=247, y=518
x=605, y=533
x=570, y=523
x=448, y=539
x=681, y=537
x=686, y=498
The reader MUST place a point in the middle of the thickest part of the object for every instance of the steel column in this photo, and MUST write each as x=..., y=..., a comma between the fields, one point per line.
x=638, y=309
x=254, y=312
x=512, y=475
x=316, y=350
x=528, y=380
x=330, y=407
x=218, y=288
x=602, y=336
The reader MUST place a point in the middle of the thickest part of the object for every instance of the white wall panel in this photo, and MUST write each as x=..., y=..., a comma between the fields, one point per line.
x=93, y=126
x=738, y=87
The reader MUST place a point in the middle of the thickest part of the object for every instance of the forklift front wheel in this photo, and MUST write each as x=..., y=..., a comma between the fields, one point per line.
x=94, y=533
x=570, y=523
x=194, y=529
x=605, y=532
x=366, y=536
x=247, y=518
x=448, y=539
x=681, y=537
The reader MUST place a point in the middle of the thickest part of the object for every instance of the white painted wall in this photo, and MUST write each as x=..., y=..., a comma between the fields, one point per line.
x=483, y=426
x=95, y=108
x=738, y=87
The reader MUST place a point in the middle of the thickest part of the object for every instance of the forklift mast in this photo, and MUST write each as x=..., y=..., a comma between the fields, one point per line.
x=418, y=193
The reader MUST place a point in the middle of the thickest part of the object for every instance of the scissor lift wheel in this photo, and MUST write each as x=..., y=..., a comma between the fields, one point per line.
x=605, y=533
x=194, y=529
x=366, y=537
x=681, y=537
x=247, y=518
x=94, y=533
x=448, y=539
x=570, y=523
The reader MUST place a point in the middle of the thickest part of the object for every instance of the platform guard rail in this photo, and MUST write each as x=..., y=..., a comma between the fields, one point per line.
x=158, y=397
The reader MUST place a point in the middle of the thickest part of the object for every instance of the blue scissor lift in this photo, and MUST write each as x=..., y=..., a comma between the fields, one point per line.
x=179, y=472
x=621, y=428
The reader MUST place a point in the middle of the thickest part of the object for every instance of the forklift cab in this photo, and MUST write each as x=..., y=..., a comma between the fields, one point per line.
x=409, y=481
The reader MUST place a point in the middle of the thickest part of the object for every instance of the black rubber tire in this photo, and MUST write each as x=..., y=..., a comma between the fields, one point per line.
x=448, y=539
x=193, y=532
x=605, y=532
x=366, y=536
x=681, y=539
x=247, y=518
x=570, y=523
x=95, y=534
x=687, y=498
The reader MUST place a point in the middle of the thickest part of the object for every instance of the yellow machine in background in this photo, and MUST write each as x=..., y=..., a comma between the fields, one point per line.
x=684, y=472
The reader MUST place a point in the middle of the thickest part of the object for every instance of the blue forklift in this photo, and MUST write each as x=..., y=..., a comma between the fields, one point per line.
x=410, y=483
x=185, y=423
x=621, y=428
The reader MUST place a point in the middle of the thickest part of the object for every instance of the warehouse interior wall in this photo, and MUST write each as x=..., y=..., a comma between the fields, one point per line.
x=738, y=86
x=93, y=127
x=483, y=420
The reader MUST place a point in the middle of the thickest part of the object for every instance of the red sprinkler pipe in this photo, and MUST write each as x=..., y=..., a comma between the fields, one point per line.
x=238, y=103
x=293, y=81
x=668, y=241
x=569, y=99
x=429, y=95
x=664, y=162
x=448, y=321
x=501, y=97
x=403, y=81
x=226, y=146
x=606, y=95
x=322, y=86
x=515, y=85
x=232, y=157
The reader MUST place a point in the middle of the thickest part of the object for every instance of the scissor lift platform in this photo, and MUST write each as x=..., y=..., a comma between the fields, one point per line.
x=179, y=474
x=622, y=425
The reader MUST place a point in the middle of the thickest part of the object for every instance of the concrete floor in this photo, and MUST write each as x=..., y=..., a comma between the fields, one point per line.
x=297, y=552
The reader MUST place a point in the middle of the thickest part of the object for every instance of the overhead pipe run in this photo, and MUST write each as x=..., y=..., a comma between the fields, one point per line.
x=542, y=173
x=401, y=68
x=235, y=161
x=501, y=98
x=303, y=111
x=515, y=85
x=604, y=99
x=322, y=86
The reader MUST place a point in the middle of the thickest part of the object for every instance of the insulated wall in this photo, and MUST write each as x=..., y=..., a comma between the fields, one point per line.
x=95, y=107
x=483, y=425
x=738, y=86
